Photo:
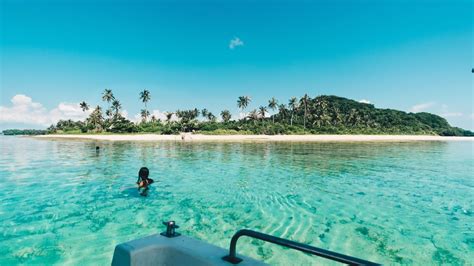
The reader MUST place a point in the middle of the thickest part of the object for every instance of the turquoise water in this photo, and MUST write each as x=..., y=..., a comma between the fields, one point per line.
x=393, y=203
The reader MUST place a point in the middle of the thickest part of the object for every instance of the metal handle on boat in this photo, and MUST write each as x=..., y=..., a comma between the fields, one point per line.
x=170, y=229
x=232, y=258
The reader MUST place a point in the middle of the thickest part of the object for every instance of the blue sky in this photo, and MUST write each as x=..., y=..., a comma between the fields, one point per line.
x=407, y=55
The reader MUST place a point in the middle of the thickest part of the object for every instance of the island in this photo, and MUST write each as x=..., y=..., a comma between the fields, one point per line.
x=321, y=115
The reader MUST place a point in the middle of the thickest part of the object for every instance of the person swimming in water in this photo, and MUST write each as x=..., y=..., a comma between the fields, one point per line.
x=143, y=181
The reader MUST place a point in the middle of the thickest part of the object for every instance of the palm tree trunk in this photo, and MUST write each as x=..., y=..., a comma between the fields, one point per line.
x=146, y=112
x=304, y=119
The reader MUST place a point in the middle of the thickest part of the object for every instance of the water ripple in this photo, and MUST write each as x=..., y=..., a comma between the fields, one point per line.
x=394, y=203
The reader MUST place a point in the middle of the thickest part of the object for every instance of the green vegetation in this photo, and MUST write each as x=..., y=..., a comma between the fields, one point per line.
x=306, y=115
x=12, y=132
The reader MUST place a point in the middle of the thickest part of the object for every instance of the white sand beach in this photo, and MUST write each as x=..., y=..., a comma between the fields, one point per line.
x=236, y=138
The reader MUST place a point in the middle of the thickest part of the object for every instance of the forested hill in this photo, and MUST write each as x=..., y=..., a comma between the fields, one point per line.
x=305, y=115
x=12, y=132
x=332, y=113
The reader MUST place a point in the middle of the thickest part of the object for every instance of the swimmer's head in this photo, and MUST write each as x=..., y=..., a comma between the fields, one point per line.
x=144, y=172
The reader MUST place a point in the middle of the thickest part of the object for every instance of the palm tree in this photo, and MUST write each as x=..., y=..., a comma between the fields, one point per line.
x=107, y=96
x=321, y=111
x=211, y=117
x=282, y=111
x=253, y=115
x=145, y=97
x=273, y=104
x=186, y=116
x=153, y=118
x=243, y=102
x=144, y=114
x=116, y=106
x=108, y=112
x=226, y=116
x=84, y=106
x=194, y=114
x=204, y=112
x=262, y=110
x=304, y=101
x=169, y=115
x=179, y=114
x=293, y=104
x=96, y=118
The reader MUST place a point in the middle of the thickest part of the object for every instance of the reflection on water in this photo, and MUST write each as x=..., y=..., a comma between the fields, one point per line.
x=392, y=203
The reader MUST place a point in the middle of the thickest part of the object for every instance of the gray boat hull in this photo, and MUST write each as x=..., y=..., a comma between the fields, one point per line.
x=176, y=251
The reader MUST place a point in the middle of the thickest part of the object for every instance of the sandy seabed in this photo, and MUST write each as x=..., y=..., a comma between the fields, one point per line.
x=301, y=138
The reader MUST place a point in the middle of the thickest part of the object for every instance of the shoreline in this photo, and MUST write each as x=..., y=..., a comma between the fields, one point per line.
x=187, y=137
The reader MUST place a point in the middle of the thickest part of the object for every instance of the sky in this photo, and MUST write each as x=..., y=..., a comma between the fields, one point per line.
x=408, y=55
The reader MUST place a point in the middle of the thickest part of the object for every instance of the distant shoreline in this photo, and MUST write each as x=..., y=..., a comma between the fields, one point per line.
x=280, y=138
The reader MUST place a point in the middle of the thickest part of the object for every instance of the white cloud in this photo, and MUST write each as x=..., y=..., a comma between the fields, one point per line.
x=124, y=113
x=67, y=111
x=157, y=113
x=235, y=42
x=364, y=101
x=421, y=107
x=133, y=119
x=23, y=110
x=451, y=114
x=136, y=118
x=174, y=117
x=445, y=112
x=243, y=115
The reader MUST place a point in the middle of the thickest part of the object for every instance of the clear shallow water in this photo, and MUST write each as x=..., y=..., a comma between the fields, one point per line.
x=393, y=203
